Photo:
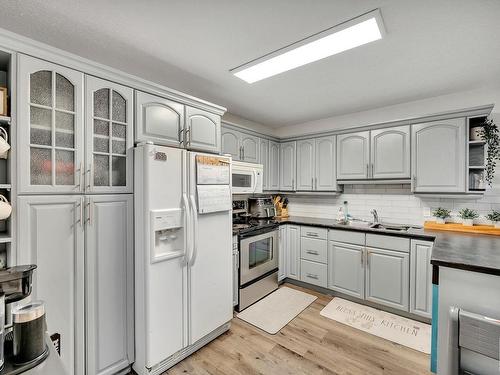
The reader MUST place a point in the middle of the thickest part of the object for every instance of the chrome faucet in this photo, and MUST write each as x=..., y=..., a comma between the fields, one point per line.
x=375, y=216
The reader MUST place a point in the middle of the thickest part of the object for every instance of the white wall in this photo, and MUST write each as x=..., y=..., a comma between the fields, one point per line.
x=417, y=108
x=248, y=124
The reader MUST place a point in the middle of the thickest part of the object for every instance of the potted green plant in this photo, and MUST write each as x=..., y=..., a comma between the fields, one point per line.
x=489, y=134
x=441, y=214
x=467, y=215
x=494, y=217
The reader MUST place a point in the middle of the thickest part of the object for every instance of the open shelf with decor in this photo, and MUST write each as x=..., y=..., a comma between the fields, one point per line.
x=476, y=151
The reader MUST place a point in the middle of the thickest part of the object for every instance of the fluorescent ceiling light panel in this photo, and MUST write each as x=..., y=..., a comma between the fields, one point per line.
x=354, y=33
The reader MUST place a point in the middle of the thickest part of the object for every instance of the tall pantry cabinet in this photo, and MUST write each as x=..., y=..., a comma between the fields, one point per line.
x=75, y=205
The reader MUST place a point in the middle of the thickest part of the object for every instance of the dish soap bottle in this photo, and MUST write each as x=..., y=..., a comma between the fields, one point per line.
x=346, y=213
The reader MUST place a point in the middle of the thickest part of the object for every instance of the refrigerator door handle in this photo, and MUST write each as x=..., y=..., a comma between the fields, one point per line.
x=187, y=226
x=194, y=244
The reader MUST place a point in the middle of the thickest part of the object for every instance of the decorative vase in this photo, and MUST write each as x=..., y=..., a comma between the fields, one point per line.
x=440, y=220
x=497, y=224
x=468, y=222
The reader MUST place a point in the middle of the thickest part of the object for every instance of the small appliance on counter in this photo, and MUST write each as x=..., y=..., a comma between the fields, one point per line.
x=262, y=207
x=23, y=345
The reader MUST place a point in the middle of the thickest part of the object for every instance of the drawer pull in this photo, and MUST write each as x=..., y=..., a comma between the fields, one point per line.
x=312, y=234
x=311, y=276
x=312, y=252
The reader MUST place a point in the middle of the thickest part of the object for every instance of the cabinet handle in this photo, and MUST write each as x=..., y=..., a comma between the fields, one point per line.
x=312, y=183
x=312, y=276
x=312, y=252
x=312, y=234
x=414, y=181
x=368, y=258
x=89, y=174
x=316, y=183
x=242, y=153
x=89, y=210
x=293, y=184
x=367, y=170
x=362, y=257
x=372, y=170
x=188, y=137
x=80, y=215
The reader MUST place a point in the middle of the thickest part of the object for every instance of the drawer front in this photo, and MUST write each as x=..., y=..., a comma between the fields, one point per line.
x=313, y=273
x=313, y=232
x=313, y=249
x=388, y=242
x=356, y=238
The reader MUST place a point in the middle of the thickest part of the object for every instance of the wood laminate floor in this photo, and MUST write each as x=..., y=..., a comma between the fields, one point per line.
x=309, y=344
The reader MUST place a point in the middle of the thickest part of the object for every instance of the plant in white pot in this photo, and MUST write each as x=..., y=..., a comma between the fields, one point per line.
x=494, y=217
x=441, y=214
x=467, y=215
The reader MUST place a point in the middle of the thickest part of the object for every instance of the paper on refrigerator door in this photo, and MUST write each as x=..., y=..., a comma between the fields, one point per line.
x=212, y=170
x=214, y=198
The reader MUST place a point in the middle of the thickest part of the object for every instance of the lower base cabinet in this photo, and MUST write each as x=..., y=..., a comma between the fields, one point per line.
x=421, y=278
x=346, y=270
x=387, y=277
x=82, y=246
x=282, y=248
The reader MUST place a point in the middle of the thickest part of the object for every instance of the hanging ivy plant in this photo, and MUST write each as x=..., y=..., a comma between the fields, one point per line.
x=489, y=134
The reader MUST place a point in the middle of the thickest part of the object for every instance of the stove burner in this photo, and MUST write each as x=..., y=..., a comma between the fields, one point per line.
x=241, y=226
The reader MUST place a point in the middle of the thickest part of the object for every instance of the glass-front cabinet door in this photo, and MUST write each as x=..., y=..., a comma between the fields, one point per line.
x=50, y=128
x=109, y=137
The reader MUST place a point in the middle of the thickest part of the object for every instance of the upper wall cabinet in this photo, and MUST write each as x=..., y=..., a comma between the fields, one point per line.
x=316, y=164
x=203, y=130
x=158, y=120
x=353, y=156
x=376, y=154
x=264, y=160
x=109, y=137
x=51, y=133
x=240, y=146
x=274, y=165
x=438, y=156
x=287, y=166
x=390, y=152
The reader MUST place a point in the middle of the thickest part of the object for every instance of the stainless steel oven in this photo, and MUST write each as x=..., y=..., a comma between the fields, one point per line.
x=258, y=265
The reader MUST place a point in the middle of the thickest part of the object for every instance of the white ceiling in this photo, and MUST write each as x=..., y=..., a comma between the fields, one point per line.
x=432, y=47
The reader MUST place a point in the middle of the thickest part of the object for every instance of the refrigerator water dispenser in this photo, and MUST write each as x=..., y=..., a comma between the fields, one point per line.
x=168, y=234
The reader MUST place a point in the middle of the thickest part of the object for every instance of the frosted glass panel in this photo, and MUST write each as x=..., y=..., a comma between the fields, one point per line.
x=101, y=144
x=119, y=147
x=119, y=107
x=119, y=171
x=65, y=93
x=101, y=127
x=41, y=166
x=101, y=170
x=101, y=103
x=41, y=116
x=65, y=121
x=41, y=88
x=41, y=137
x=65, y=167
x=119, y=131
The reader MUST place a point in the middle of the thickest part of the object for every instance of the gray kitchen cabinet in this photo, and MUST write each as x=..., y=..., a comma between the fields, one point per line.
x=390, y=152
x=353, y=156
x=53, y=239
x=274, y=165
x=305, y=165
x=292, y=257
x=109, y=137
x=387, y=277
x=287, y=166
x=109, y=283
x=346, y=268
x=264, y=160
x=231, y=143
x=438, y=156
x=325, y=178
x=421, y=278
x=250, y=148
x=202, y=131
x=51, y=128
x=158, y=120
x=282, y=252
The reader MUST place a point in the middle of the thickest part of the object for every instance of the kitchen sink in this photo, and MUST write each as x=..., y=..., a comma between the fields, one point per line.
x=394, y=227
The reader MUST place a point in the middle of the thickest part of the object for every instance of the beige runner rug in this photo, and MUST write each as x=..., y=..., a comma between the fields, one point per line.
x=391, y=327
x=276, y=310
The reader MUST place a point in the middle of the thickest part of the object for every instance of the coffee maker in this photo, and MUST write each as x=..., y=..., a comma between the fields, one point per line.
x=22, y=344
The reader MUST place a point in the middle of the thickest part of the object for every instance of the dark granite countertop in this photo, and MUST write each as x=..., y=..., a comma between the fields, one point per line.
x=468, y=251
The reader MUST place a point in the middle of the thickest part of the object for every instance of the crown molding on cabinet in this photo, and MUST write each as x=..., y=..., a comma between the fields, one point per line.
x=27, y=46
x=242, y=129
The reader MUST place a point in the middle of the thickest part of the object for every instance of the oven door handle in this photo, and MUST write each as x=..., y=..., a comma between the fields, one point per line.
x=194, y=238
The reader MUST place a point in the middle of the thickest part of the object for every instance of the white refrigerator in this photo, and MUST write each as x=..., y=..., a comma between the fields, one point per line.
x=183, y=254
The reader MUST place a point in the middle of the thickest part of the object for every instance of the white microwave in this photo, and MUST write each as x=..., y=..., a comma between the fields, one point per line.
x=246, y=177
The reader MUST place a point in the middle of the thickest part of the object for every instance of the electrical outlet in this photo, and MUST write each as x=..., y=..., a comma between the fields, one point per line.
x=426, y=211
